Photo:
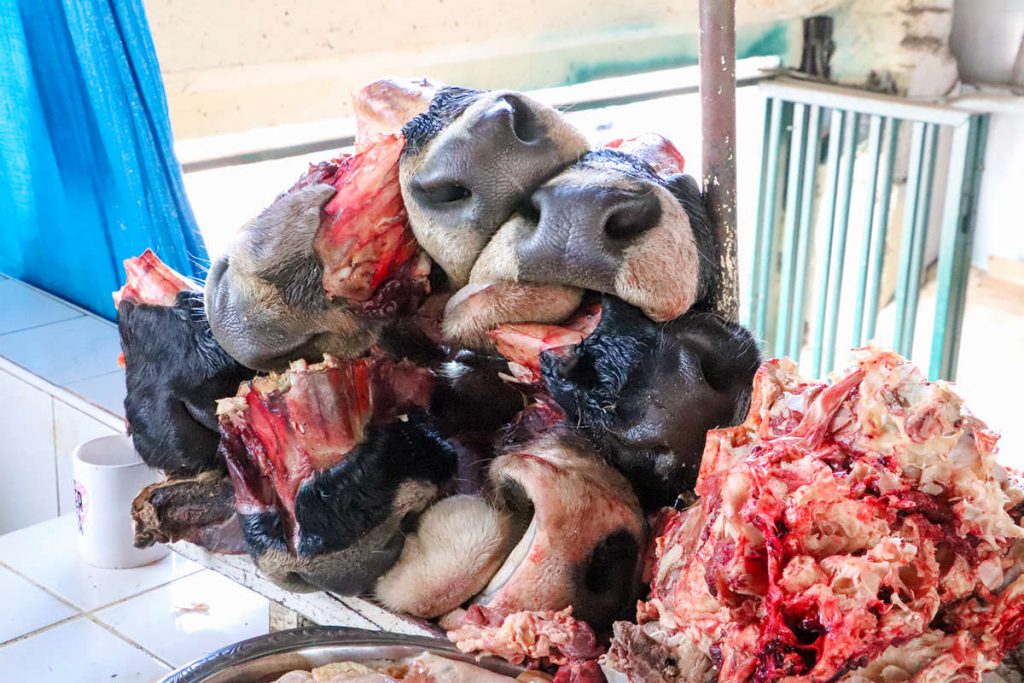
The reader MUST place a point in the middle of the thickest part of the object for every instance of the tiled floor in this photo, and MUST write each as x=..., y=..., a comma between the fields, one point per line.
x=63, y=621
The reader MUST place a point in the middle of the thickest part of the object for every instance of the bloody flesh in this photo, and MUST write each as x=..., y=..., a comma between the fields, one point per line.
x=860, y=531
x=523, y=343
x=656, y=150
x=535, y=638
x=370, y=258
x=150, y=281
x=280, y=430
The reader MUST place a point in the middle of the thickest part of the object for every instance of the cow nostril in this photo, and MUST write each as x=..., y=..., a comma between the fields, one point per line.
x=530, y=210
x=633, y=218
x=525, y=125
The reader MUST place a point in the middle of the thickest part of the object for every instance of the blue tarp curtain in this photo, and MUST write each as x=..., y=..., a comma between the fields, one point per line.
x=88, y=175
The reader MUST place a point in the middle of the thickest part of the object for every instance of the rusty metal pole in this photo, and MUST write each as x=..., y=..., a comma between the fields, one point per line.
x=717, y=44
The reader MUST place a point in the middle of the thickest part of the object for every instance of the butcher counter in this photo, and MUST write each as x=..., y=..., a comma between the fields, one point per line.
x=290, y=609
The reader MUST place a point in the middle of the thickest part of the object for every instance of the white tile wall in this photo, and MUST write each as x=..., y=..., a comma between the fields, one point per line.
x=106, y=391
x=28, y=470
x=38, y=433
x=59, y=386
x=22, y=307
x=65, y=351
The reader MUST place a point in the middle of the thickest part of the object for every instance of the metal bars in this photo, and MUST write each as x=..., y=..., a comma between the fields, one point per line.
x=821, y=268
x=790, y=235
x=761, y=273
x=915, y=227
x=879, y=232
x=966, y=159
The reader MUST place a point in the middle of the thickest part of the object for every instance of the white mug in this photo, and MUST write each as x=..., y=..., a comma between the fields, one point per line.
x=108, y=475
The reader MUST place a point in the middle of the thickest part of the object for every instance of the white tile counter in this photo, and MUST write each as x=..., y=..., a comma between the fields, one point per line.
x=64, y=621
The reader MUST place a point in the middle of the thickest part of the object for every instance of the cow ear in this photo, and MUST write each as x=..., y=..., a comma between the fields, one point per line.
x=283, y=233
x=682, y=185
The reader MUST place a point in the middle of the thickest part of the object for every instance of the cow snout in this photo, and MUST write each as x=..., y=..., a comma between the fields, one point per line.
x=582, y=233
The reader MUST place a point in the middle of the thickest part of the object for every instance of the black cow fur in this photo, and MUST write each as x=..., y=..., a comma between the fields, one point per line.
x=175, y=372
x=646, y=393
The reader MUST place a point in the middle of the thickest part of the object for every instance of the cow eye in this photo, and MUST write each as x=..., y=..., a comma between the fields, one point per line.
x=441, y=193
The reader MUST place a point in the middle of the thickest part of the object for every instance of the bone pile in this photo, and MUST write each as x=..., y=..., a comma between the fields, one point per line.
x=858, y=531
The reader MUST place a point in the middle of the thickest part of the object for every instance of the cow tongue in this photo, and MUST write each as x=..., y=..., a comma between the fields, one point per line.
x=478, y=308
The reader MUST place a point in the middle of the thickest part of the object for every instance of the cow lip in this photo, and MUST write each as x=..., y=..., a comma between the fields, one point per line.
x=480, y=307
x=520, y=553
x=478, y=288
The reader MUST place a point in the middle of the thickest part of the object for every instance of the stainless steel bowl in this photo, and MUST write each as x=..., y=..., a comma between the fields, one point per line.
x=262, y=659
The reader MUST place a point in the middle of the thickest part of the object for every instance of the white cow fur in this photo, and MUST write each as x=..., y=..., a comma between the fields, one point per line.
x=458, y=546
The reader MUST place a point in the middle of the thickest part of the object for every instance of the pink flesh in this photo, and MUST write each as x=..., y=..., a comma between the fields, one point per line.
x=536, y=638
x=385, y=106
x=656, y=150
x=522, y=343
x=282, y=438
x=815, y=479
x=364, y=241
x=150, y=281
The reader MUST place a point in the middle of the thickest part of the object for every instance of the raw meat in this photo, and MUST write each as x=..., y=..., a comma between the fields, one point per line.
x=522, y=343
x=385, y=106
x=656, y=150
x=859, y=531
x=582, y=671
x=150, y=281
x=536, y=638
x=282, y=429
x=426, y=668
x=370, y=258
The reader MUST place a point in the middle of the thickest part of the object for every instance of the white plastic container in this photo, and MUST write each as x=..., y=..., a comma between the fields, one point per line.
x=108, y=475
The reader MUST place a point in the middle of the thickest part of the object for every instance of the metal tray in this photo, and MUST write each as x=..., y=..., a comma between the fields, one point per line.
x=262, y=659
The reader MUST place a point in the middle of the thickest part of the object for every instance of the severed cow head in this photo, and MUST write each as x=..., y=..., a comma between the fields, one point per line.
x=174, y=369
x=582, y=530
x=331, y=464
x=561, y=527
x=332, y=259
x=648, y=393
x=265, y=299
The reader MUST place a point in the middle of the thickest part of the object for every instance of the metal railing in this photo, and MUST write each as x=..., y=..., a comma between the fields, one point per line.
x=800, y=256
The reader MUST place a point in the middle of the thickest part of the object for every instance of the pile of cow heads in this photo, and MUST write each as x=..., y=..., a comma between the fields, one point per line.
x=485, y=354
